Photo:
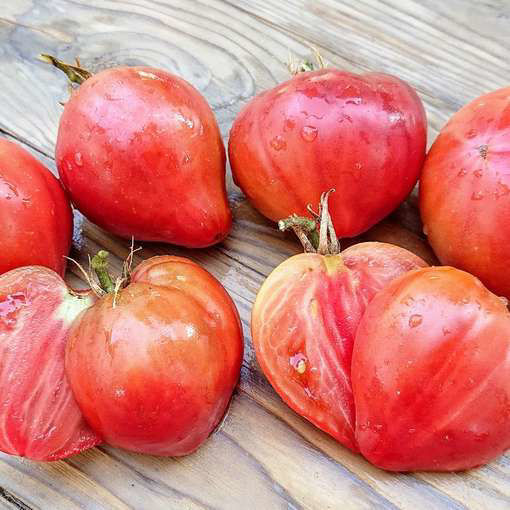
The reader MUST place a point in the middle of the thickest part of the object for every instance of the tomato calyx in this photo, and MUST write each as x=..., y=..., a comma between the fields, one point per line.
x=99, y=264
x=317, y=235
x=99, y=278
x=295, y=66
x=75, y=73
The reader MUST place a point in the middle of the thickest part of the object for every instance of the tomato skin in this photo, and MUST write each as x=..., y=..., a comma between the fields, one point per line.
x=465, y=191
x=39, y=418
x=37, y=222
x=155, y=373
x=430, y=373
x=141, y=154
x=308, y=309
x=364, y=135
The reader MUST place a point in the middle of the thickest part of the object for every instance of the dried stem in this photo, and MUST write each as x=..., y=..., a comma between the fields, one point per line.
x=295, y=66
x=99, y=263
x=75, y=74
x=321, y=240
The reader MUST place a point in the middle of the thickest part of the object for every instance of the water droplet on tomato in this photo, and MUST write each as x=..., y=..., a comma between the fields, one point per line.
x=425, y=229
x=471, y=133
x=289, y=124
x=13, y=191
x=501, y=190
x=395, y=117
x=478, y=173
x=446, y=331
x=354, y=100
x=477, y=195
x=415, y=320
x=309, y=133
x=298, y=362
x=184, y=120
x=9, y=307
x=186, y=158
x=411, y=431
x=408, y=301
x=278, y=143
x=78, y=159
x=462, y=172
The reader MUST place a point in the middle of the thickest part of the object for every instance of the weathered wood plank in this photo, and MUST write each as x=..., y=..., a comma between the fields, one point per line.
x=264, y=455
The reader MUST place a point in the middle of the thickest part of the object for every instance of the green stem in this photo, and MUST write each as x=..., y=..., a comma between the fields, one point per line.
x=321, y=240
x=99, y=264
x=75, y=74
x=305, y=225
x=305, y=66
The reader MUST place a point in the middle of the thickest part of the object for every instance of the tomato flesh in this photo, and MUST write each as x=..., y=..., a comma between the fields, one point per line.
x=39, y=418
x=430, y=373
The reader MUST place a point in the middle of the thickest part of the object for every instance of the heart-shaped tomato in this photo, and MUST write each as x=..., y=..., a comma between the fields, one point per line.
x=153, y=366
x=431, y=373
x=364, y=135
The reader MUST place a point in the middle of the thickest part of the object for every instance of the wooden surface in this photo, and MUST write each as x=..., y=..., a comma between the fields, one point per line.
x=263, y=456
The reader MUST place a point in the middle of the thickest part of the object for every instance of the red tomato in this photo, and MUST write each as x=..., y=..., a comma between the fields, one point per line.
x=39, y=417
x=430, y=373
x=465, y=191
x=363, y=135
x=303, y=325
x=141, y=154
x=36, y=224
x=153, y=369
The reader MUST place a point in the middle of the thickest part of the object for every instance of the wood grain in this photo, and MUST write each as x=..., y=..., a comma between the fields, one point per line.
x=263, y=456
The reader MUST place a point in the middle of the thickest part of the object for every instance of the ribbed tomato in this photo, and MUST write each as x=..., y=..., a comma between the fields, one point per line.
x=304, y=321
x=36, y=218
x=430, y=373
x=465, y=191
x=140, y=152
x=153, y=366
x=39, y=417
x=364, y=135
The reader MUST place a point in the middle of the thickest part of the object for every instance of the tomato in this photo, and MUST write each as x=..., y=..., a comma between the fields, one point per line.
x=303, y=324
x=364, y=135
x=465, y=191
x=140, y=152
x=430, y=373
x=39, y=417
x=36, y=225
x=154, y=366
